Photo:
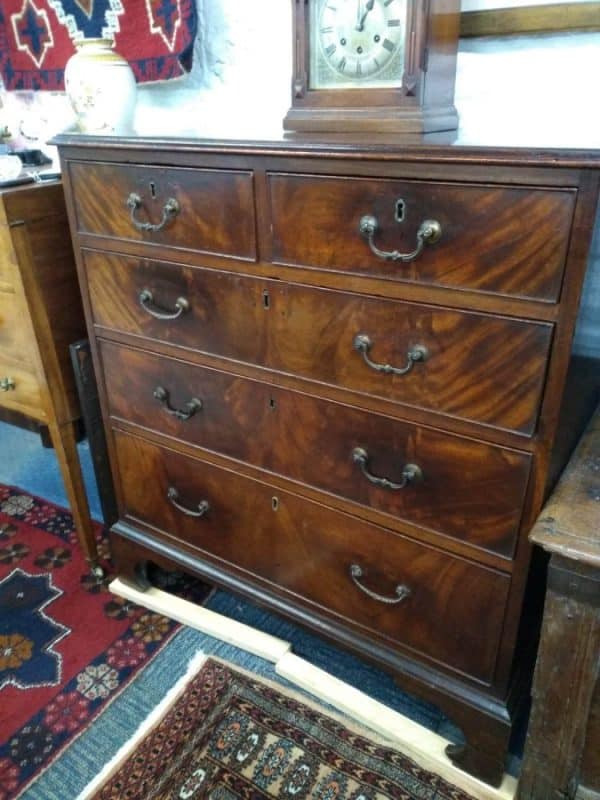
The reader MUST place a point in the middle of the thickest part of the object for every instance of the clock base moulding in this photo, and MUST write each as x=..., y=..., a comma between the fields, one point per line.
x=386, y=119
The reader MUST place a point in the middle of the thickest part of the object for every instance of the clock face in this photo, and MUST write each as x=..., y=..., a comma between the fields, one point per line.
x=356, y=43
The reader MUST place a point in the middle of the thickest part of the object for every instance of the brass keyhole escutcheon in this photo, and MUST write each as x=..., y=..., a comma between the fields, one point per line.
x=275, y=503
x=400, y=210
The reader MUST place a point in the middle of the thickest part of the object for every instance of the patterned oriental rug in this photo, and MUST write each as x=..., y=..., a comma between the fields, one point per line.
x=36, y=37
x=68, y=647
x=230, y=735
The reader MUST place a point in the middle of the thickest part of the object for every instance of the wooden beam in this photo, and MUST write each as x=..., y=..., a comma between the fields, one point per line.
x=531, y=19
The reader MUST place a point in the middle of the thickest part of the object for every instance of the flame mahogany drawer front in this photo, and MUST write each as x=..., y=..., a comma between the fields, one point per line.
x=475, y=366
x=504, y=240
x=462, y=488
x=211, y=211
x=278, y=537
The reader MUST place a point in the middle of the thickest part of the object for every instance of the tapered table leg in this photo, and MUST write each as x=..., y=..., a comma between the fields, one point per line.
x=65, y=445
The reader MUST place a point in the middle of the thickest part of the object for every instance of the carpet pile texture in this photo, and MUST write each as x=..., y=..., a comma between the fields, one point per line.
x=68, y=648
x=231, y=735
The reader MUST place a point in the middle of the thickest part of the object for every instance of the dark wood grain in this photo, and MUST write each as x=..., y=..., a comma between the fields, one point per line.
x=514, y=244
x=561, y=756
x=545, y=18
x=216, y=206
x=590, y=762
x=470, y=490
x=306, y=549
x=310, y=332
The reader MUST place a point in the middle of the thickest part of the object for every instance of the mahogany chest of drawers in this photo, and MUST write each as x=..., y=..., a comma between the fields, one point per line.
x=331, y=379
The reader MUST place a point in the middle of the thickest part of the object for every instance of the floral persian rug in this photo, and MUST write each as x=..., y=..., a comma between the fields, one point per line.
x=68, y=647
x=231, y=735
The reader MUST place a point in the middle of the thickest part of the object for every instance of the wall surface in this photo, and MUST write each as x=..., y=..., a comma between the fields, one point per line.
x=525, y=90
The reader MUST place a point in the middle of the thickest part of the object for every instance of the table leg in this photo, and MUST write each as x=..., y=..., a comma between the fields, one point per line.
x=565, y=678
x=65, y=445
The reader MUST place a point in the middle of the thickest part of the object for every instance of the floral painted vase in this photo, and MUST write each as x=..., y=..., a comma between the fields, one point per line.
x=101, y=87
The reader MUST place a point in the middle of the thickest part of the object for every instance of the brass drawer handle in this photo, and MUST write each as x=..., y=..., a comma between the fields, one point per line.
x=429, y=233
x=170, y=209
x=402, y=591
x=411, y=473
x=363, y=344
x=146, y=299
x=7, y=384
x=173, y=497
x=189, y=409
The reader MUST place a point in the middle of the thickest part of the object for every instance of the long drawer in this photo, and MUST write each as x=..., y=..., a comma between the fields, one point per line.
x=468, y=365
x=447, y=608
x=501, y=239
x=210, y=211
x=463, y=488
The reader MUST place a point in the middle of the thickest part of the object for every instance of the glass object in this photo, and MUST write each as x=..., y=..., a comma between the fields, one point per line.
x=357, y=43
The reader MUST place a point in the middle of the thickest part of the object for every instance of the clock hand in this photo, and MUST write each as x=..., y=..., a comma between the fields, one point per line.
x=358, y=15
x=368, y=7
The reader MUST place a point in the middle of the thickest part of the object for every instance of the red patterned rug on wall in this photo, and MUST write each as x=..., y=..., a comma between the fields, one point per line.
x=37, y=36
x=67, y=646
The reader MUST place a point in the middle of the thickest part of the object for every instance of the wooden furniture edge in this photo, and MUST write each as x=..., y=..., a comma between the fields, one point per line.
x=569, y=523
x=561, y=752
x=549, y=18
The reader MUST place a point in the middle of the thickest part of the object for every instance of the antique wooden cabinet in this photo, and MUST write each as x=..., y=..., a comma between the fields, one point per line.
x=332, y=375
x=562, y=752
x=40, y=316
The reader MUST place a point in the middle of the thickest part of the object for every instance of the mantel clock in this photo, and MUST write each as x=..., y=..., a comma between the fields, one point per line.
x=374, y=65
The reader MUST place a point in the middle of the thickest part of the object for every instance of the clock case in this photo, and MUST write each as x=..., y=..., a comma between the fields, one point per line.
x=423, y=103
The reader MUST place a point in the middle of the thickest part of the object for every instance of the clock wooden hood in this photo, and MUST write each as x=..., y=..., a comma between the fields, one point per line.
x=374, y=66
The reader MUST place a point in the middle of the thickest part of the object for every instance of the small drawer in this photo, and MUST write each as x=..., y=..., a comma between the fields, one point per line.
x=478, y=367
x=20, y=389
x=459, y=487
x=443, y=607
x=500, y=239
x=209, y=211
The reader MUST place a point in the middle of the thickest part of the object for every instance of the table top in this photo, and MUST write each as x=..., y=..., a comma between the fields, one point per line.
x=569, y=524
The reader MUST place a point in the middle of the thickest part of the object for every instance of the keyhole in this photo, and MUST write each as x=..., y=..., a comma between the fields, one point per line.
x=272, y=403
x=266, y=300
x=153, y=190
x=275, y=503
x=400, y=210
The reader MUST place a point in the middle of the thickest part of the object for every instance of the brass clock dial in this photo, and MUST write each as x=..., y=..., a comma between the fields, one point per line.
x=357, y=43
